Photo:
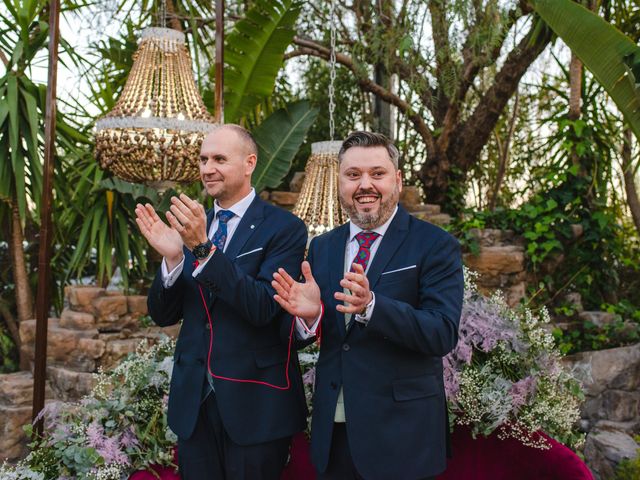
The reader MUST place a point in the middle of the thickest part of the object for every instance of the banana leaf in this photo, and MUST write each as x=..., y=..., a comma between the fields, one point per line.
x=612, y=57
x=279, y=137
x=254, y=54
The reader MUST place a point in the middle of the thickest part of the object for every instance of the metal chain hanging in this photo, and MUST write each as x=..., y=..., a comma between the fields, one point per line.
x=163, y=14
x=332, y=68
x=318, y=203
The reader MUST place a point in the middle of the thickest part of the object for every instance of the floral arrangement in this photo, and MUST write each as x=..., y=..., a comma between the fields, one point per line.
x=120, y=427
x=506, y=374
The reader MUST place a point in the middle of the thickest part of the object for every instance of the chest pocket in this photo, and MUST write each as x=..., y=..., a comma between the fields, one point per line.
x=250, y=260
x=399, y=284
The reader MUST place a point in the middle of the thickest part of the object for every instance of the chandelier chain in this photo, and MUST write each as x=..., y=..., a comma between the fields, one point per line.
x=163, y=13
x=332, y=68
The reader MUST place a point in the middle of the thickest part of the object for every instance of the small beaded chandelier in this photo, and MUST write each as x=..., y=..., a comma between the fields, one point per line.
x=154, y=132
x=318, y=204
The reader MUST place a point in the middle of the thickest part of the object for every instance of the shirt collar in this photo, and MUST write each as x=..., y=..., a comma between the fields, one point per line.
x=238, y=208
x=381, y=230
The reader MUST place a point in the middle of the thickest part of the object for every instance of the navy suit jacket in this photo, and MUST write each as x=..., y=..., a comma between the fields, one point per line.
x=250, y=330
x=390, y=369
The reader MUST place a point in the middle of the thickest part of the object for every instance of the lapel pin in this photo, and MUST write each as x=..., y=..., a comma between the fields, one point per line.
x=252, y=227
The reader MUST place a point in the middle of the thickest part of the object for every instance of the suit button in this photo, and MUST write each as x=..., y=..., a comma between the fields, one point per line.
x=333, y=385
x=346, y=347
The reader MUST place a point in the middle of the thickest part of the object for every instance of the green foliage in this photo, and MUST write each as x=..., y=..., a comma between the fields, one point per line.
x=254, y=53
x=629, y=468
x=8, y=352
x=612, y=57
x=279, y=138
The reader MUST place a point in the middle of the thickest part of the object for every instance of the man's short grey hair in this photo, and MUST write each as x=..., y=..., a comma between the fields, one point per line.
x=244, y=134
x=370, y=139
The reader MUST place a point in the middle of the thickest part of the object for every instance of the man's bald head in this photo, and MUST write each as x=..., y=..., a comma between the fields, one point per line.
x=248, y=142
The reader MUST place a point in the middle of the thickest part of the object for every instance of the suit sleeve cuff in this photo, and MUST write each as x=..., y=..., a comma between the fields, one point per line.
x=368, y=311
x=304, y=332
x=169, y=278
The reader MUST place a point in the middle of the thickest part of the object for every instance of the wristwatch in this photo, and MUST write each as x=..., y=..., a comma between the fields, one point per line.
x=202, y=251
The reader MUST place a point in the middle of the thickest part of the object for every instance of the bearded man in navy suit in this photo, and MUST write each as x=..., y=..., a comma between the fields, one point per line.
x=236, y=393
x=387, y=291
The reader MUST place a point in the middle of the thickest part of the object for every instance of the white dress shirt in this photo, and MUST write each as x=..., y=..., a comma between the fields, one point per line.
x=351, y=250
x=239, y=209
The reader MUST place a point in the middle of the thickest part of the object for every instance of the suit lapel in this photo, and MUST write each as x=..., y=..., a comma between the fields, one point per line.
x=393, y=238
x=337, y=248
x=248, y=224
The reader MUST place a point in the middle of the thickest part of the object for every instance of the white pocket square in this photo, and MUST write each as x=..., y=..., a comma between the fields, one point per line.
x=398, y=270
x=249, y=252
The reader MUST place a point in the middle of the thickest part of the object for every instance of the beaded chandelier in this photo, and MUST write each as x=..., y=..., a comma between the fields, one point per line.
x=318, y=204
x=154, y=132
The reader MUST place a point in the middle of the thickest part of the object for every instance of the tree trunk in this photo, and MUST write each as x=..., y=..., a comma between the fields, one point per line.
x=629, y=179
x=24, y=296
x=505, y=150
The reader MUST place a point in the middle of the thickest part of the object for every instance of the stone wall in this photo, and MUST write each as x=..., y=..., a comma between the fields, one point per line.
x=611, y=411
x=96, y=329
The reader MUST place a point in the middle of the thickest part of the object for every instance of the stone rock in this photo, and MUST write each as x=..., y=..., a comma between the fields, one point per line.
x=16, y=389
x=605, y=449
x=13, y=442
x=439, y=219
x=27, y=329
x=602, y=369
x=81, y=297
x=157, y=333
x=70, y=385
x=62, y=344
x=110, y=308
x=284, y=199
x=126, y=322
x=427, y=209
x=77, y=320
x=496, y=260
x=114, y=293
x=575, y=300
x=620, y=406
x=117, y=350
x=137, y=304
x=295, y=185
x=264, y=195
x=410, y=197
x=515, y=293
x=600, y=319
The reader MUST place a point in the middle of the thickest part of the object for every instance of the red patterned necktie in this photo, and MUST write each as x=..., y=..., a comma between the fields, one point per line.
x=365, y=240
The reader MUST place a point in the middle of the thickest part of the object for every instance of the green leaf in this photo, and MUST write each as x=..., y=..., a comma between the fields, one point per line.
x=279, y=137
x=254, y=54
x=603, y=49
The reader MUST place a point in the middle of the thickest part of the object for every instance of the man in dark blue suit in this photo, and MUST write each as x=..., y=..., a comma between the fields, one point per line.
x=236, y=394
x=391, y=287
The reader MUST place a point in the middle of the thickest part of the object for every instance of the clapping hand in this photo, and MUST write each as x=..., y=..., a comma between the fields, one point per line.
x=360, y=295
x=299, y=299
x=164, y=239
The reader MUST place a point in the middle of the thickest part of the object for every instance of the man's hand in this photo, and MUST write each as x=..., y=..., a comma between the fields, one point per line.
x=165, y=240
x=299, y=299
x=188, y=218
x=358, y=284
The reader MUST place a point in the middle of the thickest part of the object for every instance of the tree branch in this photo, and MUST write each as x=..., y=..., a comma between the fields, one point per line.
x=312, y=48
x=470, y=137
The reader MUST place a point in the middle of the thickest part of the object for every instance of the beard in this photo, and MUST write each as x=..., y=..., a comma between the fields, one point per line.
x=370, y=220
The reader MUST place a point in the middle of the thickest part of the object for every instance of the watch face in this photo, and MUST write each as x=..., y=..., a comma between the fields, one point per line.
x=201, y=251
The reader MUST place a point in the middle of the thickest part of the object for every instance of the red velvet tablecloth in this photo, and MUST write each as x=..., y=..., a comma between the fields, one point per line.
x=483, y=458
